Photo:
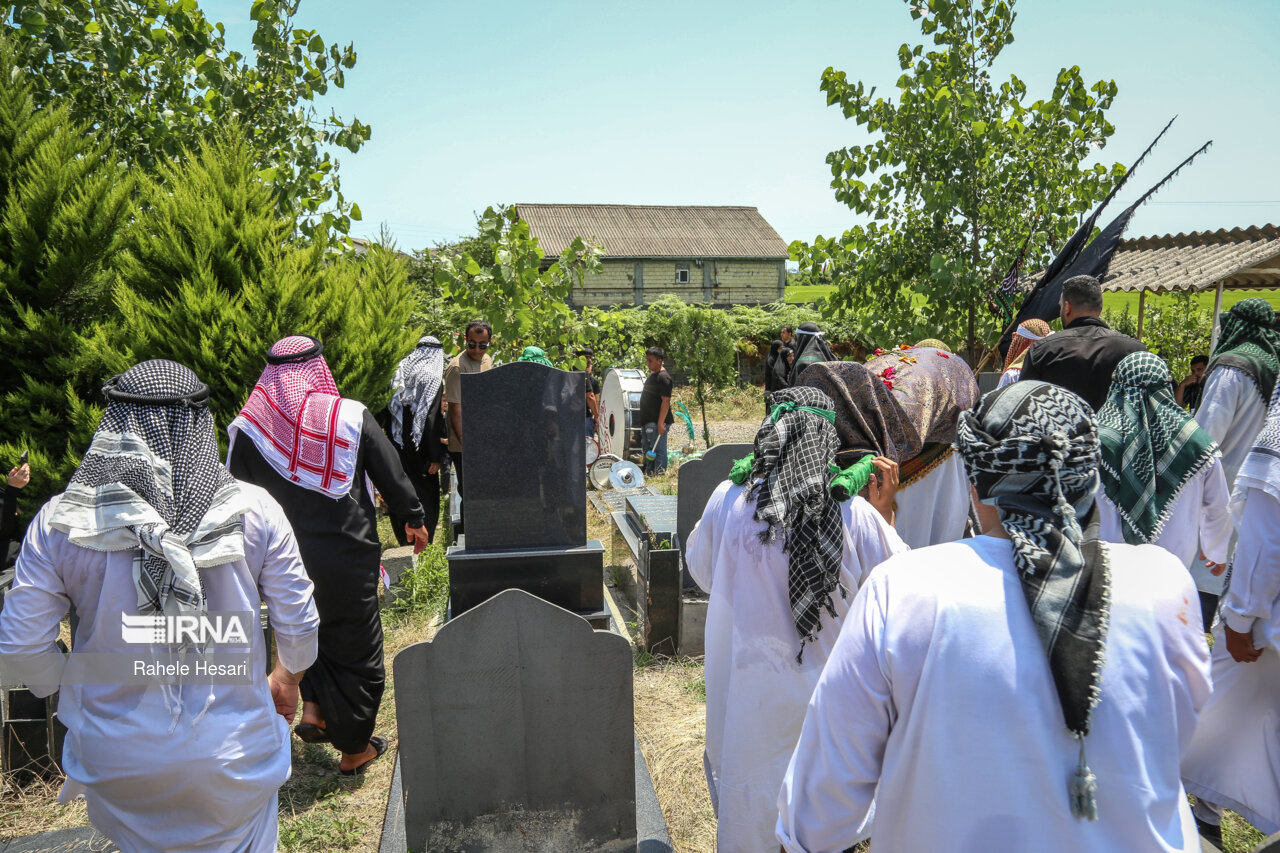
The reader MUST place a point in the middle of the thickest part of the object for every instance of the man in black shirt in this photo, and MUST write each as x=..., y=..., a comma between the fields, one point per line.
x=655, y=410
x=593, y=390
x=1189, y=390
x=1082, y=357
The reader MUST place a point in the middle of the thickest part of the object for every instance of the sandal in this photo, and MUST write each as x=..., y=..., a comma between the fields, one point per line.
x=379, y=745
x=311, y=733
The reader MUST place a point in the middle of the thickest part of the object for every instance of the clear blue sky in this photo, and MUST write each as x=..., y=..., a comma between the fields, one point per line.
x=475, y=102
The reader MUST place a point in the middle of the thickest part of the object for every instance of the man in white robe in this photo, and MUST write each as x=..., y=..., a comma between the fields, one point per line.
x=1162, y=479
x=1234, y=759
x=151, y=523
x=946, y=695
x=758, y=679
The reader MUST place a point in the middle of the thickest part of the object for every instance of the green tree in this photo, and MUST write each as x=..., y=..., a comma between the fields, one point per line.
x=156, y=77
x=500, y=277
x=700, y=349
x=63, y=204
x=209, y=278
x=957, y=171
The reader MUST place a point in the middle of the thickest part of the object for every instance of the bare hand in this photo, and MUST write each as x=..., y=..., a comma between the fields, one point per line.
x=662, y=428
x=1240, y=646
x=883, y=486
x=433, y=468
x=20, y=476
x=417, y=535
x=284, y=692
x=1215, y=569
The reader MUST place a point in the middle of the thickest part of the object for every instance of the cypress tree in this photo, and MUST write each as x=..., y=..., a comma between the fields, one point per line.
x=63, y=205
x=210, y=276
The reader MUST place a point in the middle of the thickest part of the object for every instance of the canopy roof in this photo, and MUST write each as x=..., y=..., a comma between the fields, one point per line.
x=1239, y=259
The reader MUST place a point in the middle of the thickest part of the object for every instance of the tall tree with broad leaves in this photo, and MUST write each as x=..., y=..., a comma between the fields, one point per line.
x=156, y=77
x=959, y=169
x=63, y=205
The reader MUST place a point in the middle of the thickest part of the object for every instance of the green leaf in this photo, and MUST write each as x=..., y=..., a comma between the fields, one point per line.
x=316, y=45
x=355, y=212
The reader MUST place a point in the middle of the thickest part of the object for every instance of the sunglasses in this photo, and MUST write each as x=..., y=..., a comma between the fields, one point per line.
x=477, y=344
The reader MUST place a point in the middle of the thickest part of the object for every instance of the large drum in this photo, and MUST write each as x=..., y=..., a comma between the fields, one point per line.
x=618, y=428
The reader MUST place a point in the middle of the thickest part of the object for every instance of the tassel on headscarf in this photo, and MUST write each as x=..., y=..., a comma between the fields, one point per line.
x=1084, y=789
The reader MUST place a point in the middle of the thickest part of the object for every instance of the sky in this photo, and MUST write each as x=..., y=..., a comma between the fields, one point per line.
x=478, y=102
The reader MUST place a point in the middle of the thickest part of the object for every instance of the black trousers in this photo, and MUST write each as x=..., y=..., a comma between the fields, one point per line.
x=427, y=487
x=462, y=504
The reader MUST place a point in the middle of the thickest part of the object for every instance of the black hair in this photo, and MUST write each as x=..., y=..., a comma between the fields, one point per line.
x=1083, y=292
x=481, y=325
x=1200, y=359
x=656, y=352
x=787, y=329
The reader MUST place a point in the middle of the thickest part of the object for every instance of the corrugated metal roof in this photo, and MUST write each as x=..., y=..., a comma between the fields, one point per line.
x=1239, y=258
x=656, y=231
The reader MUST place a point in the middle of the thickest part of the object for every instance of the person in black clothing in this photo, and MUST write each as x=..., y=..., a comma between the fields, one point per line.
x=1189, y=390
x=1082, y=357
x=416, y=427
x=771, y=379
x=10, y=535
x=593, y=390
x=311, y=448
x=655, y=410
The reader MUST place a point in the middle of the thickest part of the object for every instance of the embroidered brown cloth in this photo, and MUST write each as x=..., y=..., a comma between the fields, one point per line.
x=931, y=386
x=869, y=418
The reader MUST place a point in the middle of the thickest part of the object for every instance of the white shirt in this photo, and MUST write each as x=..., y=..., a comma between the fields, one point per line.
x=209, y=785
x=934, y=509
x=756, y=690
x=1199, y=520
x=1253, y=602
x=1010, y=376
x=1232, y=412
x=939, y=693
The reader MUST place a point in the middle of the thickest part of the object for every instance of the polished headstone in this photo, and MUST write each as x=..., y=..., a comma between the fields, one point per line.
x=569, y=577
x=697, y=479
x=82, y=839
x=523, y=476
x=515, y=726
x=654, y=517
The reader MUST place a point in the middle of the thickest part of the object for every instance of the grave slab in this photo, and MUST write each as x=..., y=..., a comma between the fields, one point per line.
x=83, y=839
x=516, y=733
x=695, y=482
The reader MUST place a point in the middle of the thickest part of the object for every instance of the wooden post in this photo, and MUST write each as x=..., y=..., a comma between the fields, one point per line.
x=1142, y=304
x=1217, y=319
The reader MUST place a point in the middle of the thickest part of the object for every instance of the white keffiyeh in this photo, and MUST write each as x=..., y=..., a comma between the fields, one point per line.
x=415, y=385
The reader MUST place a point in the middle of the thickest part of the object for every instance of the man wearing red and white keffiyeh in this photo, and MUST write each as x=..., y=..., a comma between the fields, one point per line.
x=313, y=449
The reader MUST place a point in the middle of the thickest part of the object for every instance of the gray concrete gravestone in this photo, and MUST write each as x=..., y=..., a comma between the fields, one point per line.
x=515, y=728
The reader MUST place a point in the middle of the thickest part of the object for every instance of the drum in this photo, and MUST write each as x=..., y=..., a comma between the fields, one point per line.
x=618, y=428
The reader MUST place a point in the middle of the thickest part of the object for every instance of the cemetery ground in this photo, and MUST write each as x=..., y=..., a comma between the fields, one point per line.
x=320, y=810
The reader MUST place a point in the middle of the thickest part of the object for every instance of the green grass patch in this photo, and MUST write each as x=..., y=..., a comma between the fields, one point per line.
x=807, y=294
x=423, y=591
x=1118, y=300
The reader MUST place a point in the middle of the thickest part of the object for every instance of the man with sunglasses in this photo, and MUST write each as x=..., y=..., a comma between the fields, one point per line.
x=474, y=358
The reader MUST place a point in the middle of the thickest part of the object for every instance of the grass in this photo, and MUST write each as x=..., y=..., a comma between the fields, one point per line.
x=1118, y=300
x=807, y=294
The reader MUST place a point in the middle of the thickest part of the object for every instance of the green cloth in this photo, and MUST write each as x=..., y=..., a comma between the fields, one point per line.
x=846, y=483
x=1249, y=342
x=536, y=355
x=1151, y=447
x=791, y=406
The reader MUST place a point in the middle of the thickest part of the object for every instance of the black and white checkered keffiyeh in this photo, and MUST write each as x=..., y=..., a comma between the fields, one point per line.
x=415, y=385
x=151, y=480
x=1032, y=451
x=789, y=482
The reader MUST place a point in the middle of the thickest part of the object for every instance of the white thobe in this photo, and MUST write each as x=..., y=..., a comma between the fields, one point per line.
x=1010, y=376
x=756, y=690
x=208, y=785
x=938, y=702
x=1234, y=759
x=934, y=509
x=1199, y=520
x=1232, y=412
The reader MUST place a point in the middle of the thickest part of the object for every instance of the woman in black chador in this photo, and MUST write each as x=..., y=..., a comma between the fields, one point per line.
x=313, y=449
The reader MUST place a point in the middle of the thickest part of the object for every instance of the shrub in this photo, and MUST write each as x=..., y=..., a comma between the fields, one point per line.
x=423, y=591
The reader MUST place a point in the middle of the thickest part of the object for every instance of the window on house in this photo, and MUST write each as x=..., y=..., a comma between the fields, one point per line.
x=682, y=274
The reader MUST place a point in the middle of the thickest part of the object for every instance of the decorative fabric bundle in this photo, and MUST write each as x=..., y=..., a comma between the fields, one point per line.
x=1249, y=342
x=789, y=478
x=932, y=388
x=300, y=424
x=1031, y=450
x=1027, y=333
x=418, y=378
x=1151, y=447
x=869, y=418
x=934, y=343
x=151, y=480
x=536, y=355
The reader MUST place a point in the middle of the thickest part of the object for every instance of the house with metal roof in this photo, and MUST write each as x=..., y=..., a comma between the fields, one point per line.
x=713, y=254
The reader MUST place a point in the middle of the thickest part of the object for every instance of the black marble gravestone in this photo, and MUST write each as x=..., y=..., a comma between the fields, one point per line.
x=81, y=839
x=697, y=479
x=525, y=488
x=515, y=728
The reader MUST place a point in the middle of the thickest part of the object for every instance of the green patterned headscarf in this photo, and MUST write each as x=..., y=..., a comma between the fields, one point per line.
x=1151, y=447
x=1250, y=343
x=536, y=355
